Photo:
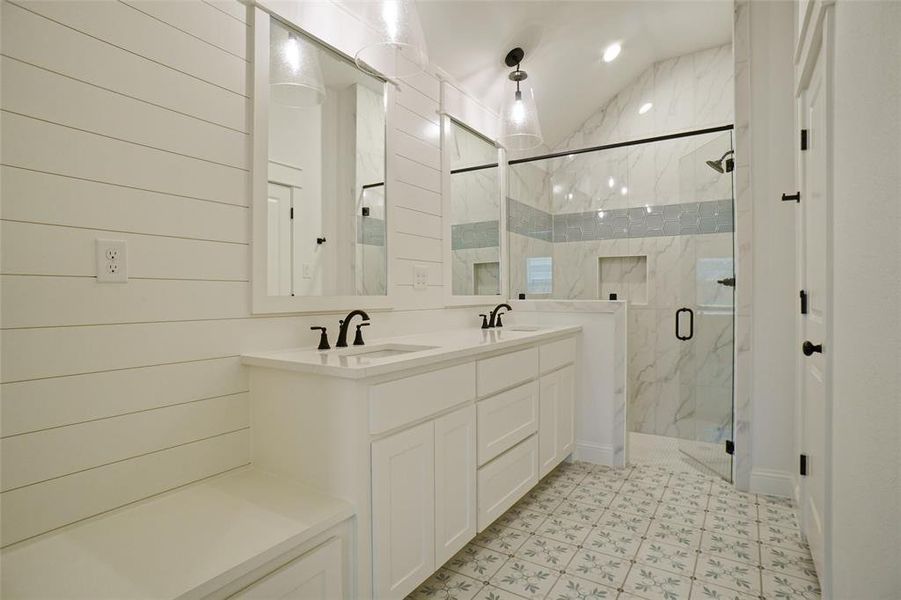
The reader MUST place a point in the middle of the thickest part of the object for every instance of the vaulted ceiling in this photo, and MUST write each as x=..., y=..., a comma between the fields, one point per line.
x=564, y=42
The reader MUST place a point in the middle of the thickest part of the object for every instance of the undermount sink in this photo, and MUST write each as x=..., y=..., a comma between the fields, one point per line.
x=382, y=351
x=524, y=328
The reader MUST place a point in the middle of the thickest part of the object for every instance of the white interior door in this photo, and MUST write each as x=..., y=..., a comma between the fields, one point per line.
x=814, y=256
x=279, y=237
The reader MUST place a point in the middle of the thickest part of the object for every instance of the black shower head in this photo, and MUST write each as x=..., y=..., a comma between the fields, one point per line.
x=723, y=165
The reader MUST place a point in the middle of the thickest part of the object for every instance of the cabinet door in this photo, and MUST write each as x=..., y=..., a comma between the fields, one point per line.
x=548, y=423
x=455, y=482
x=566, y=408
x=403, y=511
x=317, y=575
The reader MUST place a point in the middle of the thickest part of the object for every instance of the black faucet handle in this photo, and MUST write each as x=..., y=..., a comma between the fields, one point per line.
x=358, y=338
x=484, y=320
x=498, y=323
x=323, y=338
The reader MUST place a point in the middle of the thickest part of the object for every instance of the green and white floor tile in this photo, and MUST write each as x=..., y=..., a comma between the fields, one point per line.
x=652, y=531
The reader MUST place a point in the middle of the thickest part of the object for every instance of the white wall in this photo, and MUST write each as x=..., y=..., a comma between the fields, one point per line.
x=129, y=120
x=774, y=294
x=866, y=271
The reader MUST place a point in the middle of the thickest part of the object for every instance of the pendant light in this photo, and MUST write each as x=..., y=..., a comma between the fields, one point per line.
x=398, y=49
x=295, y=76
x=520, y=129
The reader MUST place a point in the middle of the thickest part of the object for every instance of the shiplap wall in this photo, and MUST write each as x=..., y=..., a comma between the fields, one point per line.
x=130, y=120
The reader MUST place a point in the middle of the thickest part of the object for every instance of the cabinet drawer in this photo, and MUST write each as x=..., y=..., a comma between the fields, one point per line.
x=317, y=575
x=557, y=354
x=502, y=372
x=407, y=400
x=506, y=419
x=505, y=480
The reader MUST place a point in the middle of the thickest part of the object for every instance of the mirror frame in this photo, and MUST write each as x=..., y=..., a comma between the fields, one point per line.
x=261, y=302
x=457, y=106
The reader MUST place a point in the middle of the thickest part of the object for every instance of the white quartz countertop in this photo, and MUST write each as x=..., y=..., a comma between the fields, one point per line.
x=373, y=359
x=186, y=543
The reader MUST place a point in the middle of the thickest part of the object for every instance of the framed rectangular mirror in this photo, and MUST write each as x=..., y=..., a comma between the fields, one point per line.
x=474, y=208
x=320, y=238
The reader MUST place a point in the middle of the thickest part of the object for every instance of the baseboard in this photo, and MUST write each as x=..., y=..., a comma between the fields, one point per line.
x=598, y=454
x=772, y=483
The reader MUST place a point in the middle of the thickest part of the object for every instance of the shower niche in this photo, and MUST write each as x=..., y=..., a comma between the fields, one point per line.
x=625, y=276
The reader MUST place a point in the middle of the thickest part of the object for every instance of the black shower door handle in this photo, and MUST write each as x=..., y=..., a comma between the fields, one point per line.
x=691, y=324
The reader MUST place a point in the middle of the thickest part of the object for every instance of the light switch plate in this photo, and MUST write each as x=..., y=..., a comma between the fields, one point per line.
x=420, y=277
x=112, y=261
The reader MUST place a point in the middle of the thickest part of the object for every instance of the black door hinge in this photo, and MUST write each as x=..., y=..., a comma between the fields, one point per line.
x=796, y=197
x=730, y=447
x=292, y=212
x=803, y=465
x=803, y=139
x=803, y=302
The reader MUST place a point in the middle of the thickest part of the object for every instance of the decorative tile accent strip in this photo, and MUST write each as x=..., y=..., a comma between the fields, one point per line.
x=529, y=221
x=481, y=234
x=370, y=231
x=690, y=218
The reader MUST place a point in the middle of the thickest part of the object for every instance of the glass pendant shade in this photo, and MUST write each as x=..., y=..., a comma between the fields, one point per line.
x=398, y=48
x=295, y=76
x=520, y=129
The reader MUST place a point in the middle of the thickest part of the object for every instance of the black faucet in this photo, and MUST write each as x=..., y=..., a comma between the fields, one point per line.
x=345, y=323
x=495, y=320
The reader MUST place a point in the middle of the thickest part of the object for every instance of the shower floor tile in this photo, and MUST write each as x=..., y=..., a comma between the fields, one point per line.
x=656, y=529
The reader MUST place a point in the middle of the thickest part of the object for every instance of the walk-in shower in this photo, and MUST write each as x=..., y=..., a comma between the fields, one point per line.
x=649, y=223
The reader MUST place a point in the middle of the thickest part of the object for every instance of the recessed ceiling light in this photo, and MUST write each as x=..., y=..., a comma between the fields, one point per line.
x=645, y=107
x=611, y=182
x=624, y=190
x=569, y=196
x=612, y=52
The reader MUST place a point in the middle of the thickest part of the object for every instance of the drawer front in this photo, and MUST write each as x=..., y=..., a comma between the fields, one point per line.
x=557, y=354
x=506, y=419
x=407, y=400
x=507, y=479
x=317, y=575
x=505, y=371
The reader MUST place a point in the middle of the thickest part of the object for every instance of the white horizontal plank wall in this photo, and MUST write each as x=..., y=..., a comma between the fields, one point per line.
x=129, y=121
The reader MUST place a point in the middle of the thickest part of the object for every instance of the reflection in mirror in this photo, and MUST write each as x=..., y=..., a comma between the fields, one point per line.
x=475, y=213
x=326, y=196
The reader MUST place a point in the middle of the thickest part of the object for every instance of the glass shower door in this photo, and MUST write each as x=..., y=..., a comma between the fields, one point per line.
x=704, y=324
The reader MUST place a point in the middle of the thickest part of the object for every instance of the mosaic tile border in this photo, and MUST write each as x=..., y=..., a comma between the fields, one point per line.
x=480, y=234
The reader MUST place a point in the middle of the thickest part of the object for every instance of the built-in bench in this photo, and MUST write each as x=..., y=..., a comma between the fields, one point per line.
x=244, y=534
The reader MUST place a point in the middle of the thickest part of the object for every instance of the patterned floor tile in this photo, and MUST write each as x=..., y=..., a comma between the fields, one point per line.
x=777, y=515
x=796, y=564
x=654, y=584
x=680, y=514
x=539, y=502
x=732, y=574
x=675, y=559
x=526, y=520
x=637, y=505
x=579, y=512
x=727, y=546
x=569, y=587
x=606, y=471
x=625, y=522
x=564, y=530
x=555, y=487
x=501, y=539
x=447, y=585
x=547, y=552
x=525, y=579
x=477, y=562
x=640, y=488
x=774, y=501
x=702, y=590
x=614, y=543
x=690, y=485
x=786, y=587
x=686, y=497
x=673, y=533
x=731, y=525
x=593, y=496
x=735, y=508
x=784, y=537
x=489, y=592
x=602, y=483
x=599, y=567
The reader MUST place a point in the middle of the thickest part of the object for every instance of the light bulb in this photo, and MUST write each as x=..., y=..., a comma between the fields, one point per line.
x=611, y=182
x=624, y=190
x=518, y=112
x=612, y=52
x=645, y=107
x=291, y=54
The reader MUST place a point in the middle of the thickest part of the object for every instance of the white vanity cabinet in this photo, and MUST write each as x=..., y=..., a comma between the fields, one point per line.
x=557, y=407
x=429, y=453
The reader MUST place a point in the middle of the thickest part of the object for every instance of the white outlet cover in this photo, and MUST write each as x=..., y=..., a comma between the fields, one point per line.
x=420, y=277
x=112, y=261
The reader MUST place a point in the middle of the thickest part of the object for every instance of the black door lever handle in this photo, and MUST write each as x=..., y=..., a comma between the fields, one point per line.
x=808, y=348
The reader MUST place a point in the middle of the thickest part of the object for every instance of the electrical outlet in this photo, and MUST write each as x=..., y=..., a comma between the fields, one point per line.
x=420, y=277
x=307, y=271
x=112, y=261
